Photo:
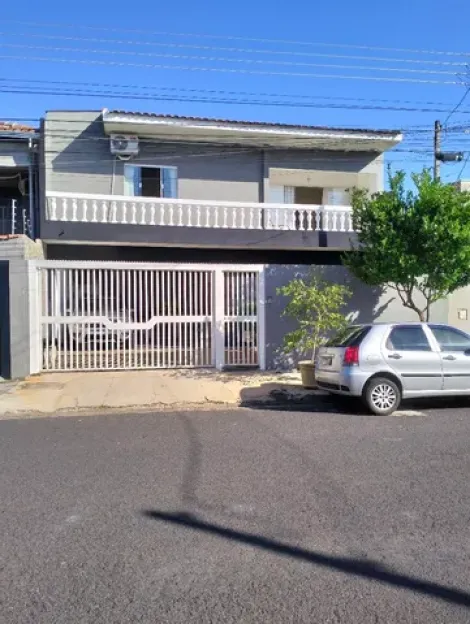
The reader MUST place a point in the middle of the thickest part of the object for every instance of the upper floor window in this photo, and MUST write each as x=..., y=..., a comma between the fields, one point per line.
x=145, y=181
x=308, y=195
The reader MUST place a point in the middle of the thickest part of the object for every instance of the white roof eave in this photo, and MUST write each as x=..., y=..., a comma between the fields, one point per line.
x=158, y=126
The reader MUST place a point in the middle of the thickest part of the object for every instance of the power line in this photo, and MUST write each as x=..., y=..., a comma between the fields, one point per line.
x=187, y=57
x=234, y=49
x=209, y=100
x=467, y=159
x=239, y=38
x=457, y=106
x=229, y=70
x=147, y=87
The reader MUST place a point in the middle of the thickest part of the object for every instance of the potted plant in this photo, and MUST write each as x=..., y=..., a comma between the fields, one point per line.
x=316, y=305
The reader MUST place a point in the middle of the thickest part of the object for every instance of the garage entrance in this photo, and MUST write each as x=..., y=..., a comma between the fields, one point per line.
x=120, y=316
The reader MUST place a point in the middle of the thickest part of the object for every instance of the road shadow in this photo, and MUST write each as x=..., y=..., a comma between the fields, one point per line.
x=293, y=397
x=355, y=567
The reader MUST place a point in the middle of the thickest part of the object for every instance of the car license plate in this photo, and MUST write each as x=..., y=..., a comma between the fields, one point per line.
x=327, y=360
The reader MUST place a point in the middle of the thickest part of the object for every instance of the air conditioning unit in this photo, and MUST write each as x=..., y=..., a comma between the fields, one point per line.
x=124, y=145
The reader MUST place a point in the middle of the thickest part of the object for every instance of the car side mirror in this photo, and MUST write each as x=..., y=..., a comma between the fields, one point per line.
x=467, y=352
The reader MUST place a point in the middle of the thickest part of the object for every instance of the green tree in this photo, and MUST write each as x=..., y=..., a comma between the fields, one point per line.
x=316, y=306
x=414, y=241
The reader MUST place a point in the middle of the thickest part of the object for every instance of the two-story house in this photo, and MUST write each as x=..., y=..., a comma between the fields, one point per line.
x=167, y=237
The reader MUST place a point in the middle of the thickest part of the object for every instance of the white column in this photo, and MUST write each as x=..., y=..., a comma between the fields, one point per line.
x=218, y=318
x=35, y=294
x=262, y=319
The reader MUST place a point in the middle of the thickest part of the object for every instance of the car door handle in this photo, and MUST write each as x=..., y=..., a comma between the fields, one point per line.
x=449, y=357
x=395, y=356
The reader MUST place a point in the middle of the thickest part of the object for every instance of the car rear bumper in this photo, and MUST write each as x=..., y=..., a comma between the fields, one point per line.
x=348, y=381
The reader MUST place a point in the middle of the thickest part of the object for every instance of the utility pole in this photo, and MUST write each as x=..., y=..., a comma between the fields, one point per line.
x=437, y=150
x=440, y=156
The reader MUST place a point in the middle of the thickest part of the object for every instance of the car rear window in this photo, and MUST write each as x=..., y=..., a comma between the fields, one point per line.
x=350, y=337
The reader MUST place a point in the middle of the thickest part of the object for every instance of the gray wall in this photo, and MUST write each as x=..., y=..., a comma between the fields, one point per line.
x=16, y=252
x=77, y=159
x=366, y=304
x=459, y=306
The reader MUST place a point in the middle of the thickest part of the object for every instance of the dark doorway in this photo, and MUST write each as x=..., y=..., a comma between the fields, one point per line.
x=4, y=320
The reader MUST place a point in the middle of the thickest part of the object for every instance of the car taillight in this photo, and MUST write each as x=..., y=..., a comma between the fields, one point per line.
x=351, y=356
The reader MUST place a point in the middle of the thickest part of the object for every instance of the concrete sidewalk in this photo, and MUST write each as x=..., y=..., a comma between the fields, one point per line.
x=60, y=392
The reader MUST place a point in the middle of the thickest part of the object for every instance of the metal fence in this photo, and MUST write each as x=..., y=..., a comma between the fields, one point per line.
x=14, y=217
x=99, y=316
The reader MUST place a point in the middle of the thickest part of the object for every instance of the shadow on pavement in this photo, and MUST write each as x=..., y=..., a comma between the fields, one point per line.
x=294, y=398
x=290, y=397
x=361, y=568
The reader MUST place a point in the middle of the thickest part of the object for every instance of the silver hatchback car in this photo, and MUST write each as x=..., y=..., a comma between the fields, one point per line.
x=386, y=362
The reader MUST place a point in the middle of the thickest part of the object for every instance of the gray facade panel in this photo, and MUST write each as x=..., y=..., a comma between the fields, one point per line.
x=366, y=305
x=78, y=159
x=191, y=236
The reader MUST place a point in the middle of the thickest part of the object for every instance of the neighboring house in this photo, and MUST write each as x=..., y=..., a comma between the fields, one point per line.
x=18, y=217
x=463, y=185
x=18, y=178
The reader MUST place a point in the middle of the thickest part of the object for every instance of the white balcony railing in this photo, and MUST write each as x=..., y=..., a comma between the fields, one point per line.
x=123, y=210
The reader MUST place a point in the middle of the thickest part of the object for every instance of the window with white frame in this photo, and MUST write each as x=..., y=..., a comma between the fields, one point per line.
x=148, y=181
x=308, y=195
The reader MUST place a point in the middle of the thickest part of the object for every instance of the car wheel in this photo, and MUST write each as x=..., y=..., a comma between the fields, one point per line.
x=382, y=396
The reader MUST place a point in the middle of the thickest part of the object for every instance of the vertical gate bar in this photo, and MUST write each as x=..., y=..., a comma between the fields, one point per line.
x=136, y=319
x=94, y=312
x=234, y=317
x=179, y=278
x=199, y=310
x=209, y=325
x=190, y=313
x=218, y=291
x=254, y=320
x=106, y=314
x=252, y=312
x=70, y=275
x=113, y=275
x=244, y=332
x=151, y=317
x=90, y=312
x=103, y=328
x=183, y=321
x=163, y=346
x=63, y=328
x=116, y=277
x=57, y=298
x=81, y=331
x=235, y=350
x=173, y=332
x=261, y=320
x=145, y=280
x=156, y=312
x=140, y=303
x=249, y=314
x=53, y=310
x=46, y=317
x=131, y=334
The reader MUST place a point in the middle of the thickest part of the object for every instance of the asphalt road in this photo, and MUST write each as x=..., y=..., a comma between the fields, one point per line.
x=236, y=516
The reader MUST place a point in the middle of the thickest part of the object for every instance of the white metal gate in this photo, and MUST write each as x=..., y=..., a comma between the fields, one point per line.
x=111, y=316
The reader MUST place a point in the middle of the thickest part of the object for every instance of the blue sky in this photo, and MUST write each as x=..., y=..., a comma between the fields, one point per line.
x=110, y=54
